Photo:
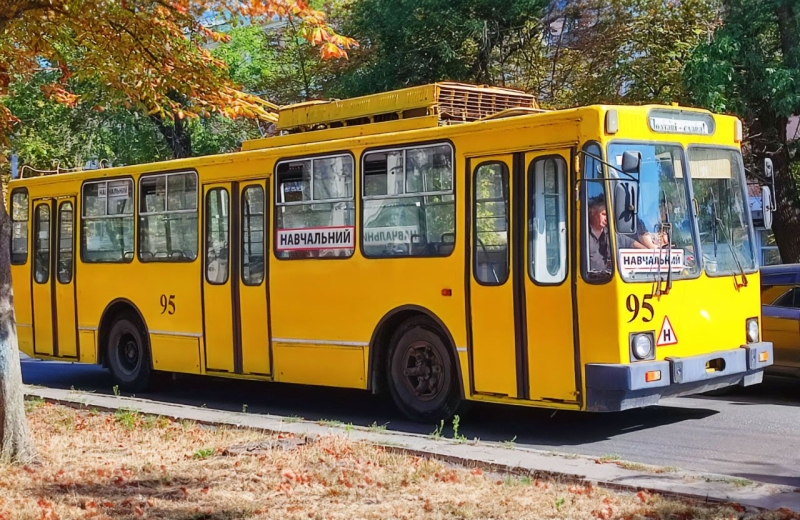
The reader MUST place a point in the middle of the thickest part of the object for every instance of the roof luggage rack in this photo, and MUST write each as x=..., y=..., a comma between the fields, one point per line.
x=449, y=102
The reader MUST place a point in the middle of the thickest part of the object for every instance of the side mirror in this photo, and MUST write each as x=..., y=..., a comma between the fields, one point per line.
x=625, y=207
x=769, y=169
x=631, y=162
x=766, y=206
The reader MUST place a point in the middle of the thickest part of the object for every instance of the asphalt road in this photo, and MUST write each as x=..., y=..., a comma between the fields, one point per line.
x=753, y=433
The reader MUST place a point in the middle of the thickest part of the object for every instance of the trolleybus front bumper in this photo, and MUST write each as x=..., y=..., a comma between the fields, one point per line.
x=612, y=387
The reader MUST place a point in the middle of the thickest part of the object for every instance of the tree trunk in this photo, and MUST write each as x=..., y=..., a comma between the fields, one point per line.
x=17, y=444
x=787, y=195
x=177, y=135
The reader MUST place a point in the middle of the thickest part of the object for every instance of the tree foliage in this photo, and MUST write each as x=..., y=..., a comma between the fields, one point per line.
x=751, y=67
x=411, y=42
x=148, y=54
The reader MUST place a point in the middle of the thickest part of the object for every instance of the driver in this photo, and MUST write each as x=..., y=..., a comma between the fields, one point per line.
x=599, y=247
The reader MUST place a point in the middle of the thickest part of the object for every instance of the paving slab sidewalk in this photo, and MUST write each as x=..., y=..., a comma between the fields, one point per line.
x=499, y=457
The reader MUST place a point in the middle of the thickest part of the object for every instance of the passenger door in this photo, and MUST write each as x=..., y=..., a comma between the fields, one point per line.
x=235, y=280
x=64, y=280
x=548, y=286
x=42, y=283
x=520, y=291
x=495, y=339
x=54, y=315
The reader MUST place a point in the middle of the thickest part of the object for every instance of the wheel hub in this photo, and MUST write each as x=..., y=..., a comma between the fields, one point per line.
x=422, y=370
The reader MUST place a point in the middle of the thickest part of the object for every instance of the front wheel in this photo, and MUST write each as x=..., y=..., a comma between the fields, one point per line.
x=421, y=373
x=129, y=355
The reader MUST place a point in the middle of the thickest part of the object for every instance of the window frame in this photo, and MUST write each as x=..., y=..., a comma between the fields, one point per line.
x=475, y=246
x=453, y=191
x=564, y=198
x=36, y=221
x=61, y=204
x=264, y=231
x=229, y=232
x=688, y=191
x=27, y=225
x=746, y=208
x=83, y=217
x=139, y=214
x=277, y=205
x=584, y=215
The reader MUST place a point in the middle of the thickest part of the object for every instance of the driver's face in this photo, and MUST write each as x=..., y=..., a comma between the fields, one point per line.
x=599, y=219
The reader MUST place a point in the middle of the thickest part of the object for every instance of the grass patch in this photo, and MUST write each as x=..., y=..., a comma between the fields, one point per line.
x=163, y=469
x=129, y=419
x=33, y=403
x=203, y=453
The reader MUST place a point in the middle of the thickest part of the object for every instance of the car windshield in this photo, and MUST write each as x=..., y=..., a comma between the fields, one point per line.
x=726, y=237
x=664, y=224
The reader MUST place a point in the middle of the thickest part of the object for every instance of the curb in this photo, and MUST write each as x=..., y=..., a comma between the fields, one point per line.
x=491, y=457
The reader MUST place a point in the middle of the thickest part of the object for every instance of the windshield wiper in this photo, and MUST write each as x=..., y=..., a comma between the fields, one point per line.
x=666, y=228
x=714, y=219
x=718, y=224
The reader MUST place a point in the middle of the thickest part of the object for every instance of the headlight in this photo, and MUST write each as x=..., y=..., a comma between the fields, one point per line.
x=642, y=346
x=752, y=330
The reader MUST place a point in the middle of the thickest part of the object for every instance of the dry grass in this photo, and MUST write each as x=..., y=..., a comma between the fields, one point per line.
x=125, y=465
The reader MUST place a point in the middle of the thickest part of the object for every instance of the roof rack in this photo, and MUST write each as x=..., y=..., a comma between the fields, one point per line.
x=450, y=102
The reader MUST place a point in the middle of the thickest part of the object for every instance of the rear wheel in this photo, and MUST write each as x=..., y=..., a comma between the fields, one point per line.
x=421, y=372
x=129, y=354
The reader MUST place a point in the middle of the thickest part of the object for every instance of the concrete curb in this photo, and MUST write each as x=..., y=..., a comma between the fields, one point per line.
x=495, y=457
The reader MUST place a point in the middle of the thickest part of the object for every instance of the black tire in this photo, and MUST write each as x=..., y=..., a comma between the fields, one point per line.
x=128, y=354
x=422, y=376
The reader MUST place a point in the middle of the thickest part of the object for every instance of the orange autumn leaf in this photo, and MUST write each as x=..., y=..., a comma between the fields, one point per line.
x=159, y=50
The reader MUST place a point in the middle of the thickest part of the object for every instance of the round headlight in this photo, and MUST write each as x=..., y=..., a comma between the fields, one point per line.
x=642, y=346
x=752, y=330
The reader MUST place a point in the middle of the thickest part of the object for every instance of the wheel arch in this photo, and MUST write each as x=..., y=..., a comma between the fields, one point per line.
x=382, y=334
x=112, y=311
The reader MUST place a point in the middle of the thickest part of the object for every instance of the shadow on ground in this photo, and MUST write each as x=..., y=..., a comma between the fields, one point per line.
x=487, y=422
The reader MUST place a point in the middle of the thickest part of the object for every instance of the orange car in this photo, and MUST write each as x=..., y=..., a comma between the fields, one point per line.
x=780, y=310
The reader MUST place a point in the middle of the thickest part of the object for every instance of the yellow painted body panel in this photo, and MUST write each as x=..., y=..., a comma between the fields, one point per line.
x=313, y=321
x=175, y=353
x=318, y=365
x=88, y=346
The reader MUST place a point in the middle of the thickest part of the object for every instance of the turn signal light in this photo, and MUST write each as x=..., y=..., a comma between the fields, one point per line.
x=447, y=292
x=763, y=356
x=653, y=375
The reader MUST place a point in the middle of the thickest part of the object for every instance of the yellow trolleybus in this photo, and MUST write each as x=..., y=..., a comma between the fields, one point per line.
x=444, y=243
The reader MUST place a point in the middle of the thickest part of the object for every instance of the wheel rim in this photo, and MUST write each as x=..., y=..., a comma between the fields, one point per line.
x=423, y=371
x=128, y=353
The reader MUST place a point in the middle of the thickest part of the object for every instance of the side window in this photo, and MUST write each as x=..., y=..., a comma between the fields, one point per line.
x=41, y=250
x=168, y=217
x=409, y=203
x=596, y=255
x=107, y=221
x=789, y=299
x=491, y=224
x=547, y=234
x=315, y=215
x=253, y=235
x=19, y=227
x=217, y=235
x=65, y=255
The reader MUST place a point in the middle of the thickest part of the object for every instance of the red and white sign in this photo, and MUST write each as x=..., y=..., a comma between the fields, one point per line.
x=311, y=239
x=667, y=335
x=650, y=260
